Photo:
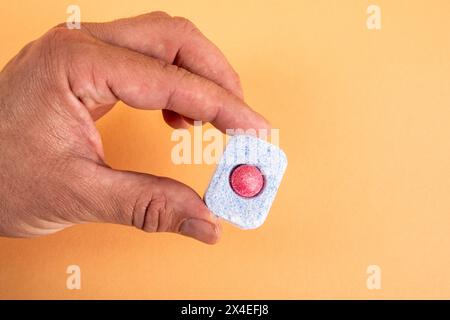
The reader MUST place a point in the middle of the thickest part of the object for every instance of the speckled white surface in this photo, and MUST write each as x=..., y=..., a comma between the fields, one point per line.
x=246, y=213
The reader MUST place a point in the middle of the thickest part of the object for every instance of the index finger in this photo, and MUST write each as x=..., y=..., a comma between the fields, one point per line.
x=116, y=73
x=174, y=40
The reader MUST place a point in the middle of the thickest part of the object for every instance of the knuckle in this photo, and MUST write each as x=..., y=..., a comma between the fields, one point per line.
x=236, y=77
x=238, y=83
x=175, y=75
x=61, y=38
x=60, y=25
x=58, y=42
x=172, y=69
x=60, y=34
x=151, y=213
x=75, y=52
x=175, y=72
x=184, y=24
x=156, y=214
x=157, y=14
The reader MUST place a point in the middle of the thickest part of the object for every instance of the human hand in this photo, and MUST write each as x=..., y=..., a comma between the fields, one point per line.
x=52, y=168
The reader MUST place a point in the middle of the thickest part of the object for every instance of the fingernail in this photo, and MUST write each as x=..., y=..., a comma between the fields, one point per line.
x=200, y=229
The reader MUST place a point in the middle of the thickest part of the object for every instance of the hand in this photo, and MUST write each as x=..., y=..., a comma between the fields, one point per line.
x=52, y=168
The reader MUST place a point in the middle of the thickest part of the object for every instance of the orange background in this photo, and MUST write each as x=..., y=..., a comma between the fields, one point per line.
x=364, y=118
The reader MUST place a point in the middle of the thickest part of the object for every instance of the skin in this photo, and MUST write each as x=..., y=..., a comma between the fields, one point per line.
x=52, y=168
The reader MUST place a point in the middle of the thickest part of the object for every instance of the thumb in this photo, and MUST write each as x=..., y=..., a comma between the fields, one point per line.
x=150, y=203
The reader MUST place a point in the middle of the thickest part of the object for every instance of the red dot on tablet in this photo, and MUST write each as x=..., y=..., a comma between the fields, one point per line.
x=246, y=180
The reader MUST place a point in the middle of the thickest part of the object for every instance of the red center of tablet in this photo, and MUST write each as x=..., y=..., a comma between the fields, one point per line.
x=246, y=180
